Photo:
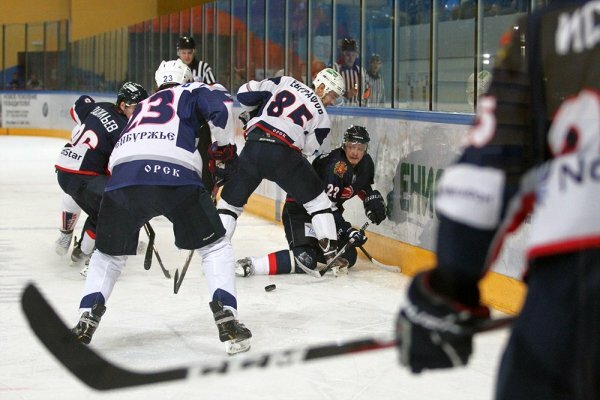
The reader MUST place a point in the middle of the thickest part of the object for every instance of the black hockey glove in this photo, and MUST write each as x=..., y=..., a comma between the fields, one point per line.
x=246, y=116
x=359, y=236
x=223, y=163
x=374, y=207
x=434, y=331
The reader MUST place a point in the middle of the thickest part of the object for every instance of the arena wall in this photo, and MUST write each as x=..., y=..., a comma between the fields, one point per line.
x=410, y=150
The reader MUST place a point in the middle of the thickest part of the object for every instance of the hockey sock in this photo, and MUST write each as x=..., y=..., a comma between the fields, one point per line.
x=273, y=263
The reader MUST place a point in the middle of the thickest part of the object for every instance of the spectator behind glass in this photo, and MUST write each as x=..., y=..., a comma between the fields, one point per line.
x=375, y=93
x=14, y=83
x=33, y=83
x=354, y=75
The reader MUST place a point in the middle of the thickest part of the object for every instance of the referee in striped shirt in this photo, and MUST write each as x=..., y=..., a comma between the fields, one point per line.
x=186, y=49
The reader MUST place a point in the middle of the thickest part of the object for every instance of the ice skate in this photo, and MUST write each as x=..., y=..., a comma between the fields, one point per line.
x=63, y=242
x=341, y=268
x=88, y=322
x=329, y=248
x=233, y=333
x=78, y=256
x=244, y=267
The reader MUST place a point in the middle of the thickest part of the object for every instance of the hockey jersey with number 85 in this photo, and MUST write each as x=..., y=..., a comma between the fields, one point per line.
x=289, y=110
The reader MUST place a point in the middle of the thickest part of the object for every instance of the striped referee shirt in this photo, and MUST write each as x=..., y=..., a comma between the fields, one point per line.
x=202, y=72
x=354, y=77
x=377, y=89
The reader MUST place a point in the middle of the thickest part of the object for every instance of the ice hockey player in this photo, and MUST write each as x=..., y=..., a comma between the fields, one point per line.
x=289, y=122
x=82, y=164
x=346, y=172
x=533, y=149
x=156, y=169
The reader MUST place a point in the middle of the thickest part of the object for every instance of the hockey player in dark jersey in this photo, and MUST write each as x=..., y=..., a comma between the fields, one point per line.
x=346, y=172
x=82, y=164
x=289, y=123
x=533, y=149
x=156, y=170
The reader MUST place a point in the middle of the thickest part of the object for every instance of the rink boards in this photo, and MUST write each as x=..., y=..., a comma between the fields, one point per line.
x=410, y=150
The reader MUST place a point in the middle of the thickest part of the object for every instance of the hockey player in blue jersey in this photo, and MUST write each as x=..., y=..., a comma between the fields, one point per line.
x=290, y=123
x=82, y=166
x=346, y=172
x=532, y=152
x=156, y=170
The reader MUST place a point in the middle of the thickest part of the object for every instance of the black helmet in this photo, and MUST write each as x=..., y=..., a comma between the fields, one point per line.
x=356, y=134
x=186, y=42
x=131, y=93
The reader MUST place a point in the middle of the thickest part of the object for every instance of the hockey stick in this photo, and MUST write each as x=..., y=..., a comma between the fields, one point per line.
x=101, y=374
x=342, y=250
x=179, y=279
x=391, y=268
x=148, y=257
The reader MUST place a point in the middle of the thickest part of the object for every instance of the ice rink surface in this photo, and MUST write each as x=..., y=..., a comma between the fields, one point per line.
x=147, y=327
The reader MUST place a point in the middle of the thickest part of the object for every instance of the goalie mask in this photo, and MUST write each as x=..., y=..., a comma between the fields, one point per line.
x=173, y=72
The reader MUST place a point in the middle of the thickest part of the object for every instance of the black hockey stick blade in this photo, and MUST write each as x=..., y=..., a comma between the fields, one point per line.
x=101, y=374
x=148, y=256
x=80, y=360
x=179, y=280
x=152, y=249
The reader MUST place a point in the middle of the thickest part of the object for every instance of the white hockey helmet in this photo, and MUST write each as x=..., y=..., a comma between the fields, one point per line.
x=173, y=72
x=332, y=80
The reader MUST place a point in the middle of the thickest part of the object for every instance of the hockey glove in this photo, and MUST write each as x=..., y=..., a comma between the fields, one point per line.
x=223, y=163
x=357, y=235
x=434, y=331
x=246, y=116
x=374, y=207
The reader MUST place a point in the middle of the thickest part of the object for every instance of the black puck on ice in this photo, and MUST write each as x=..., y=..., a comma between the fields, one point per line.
x=270, y=288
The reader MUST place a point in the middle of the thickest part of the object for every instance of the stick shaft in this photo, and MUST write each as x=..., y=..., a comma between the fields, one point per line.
x=101, y=374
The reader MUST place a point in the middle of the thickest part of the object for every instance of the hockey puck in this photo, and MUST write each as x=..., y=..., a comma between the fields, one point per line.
x=270, y=288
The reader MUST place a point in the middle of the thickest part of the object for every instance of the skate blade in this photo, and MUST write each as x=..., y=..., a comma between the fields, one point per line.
x=84, y=271
x=337, y=271
x=234, y=347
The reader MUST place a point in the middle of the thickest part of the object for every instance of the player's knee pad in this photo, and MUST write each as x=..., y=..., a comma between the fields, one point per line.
x=324, y=225
x=220, y=245
x=229, y=215
x=103, y=272
x=321, y=203
x=306, y=255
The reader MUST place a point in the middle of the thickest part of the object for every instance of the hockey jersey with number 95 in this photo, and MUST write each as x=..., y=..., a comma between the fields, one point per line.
x=158, y=144
x=288, y=110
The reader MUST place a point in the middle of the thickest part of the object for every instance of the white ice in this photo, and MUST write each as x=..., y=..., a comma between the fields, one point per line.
x=147, y=327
